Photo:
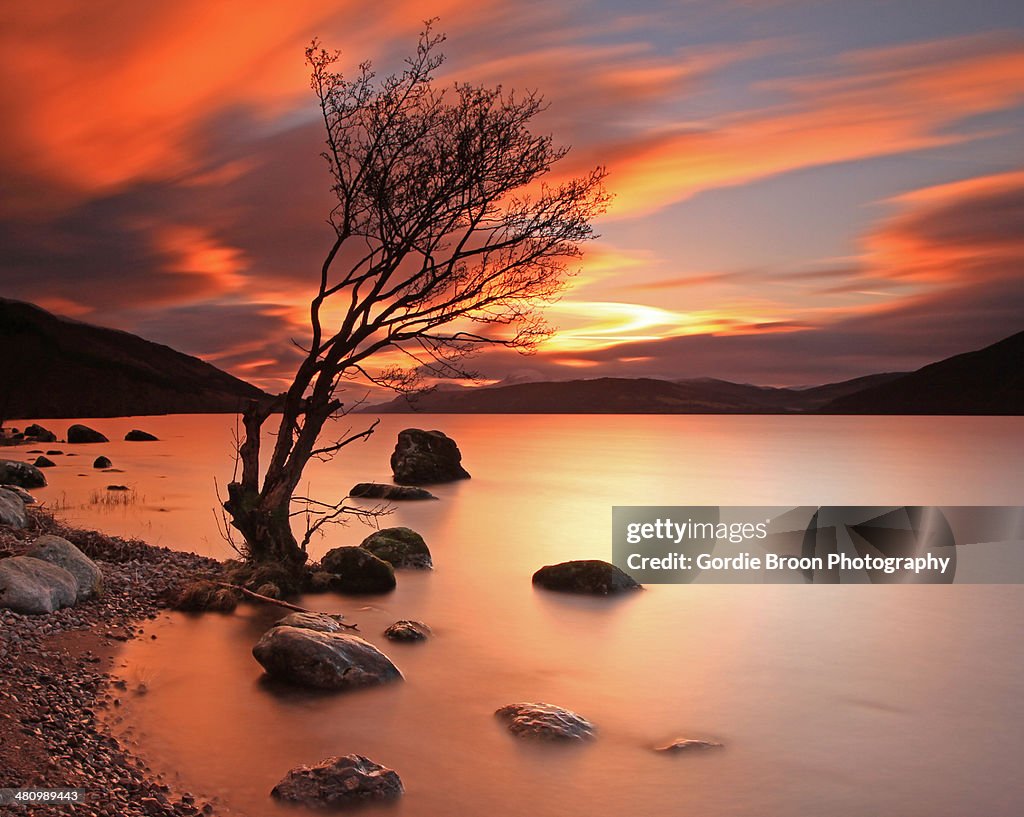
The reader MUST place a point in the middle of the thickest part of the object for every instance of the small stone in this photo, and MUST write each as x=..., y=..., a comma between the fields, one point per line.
x=688, y=745
x=136, y=436
x=339, y=781
x=406, y=630
x=101, y=462
x=545, y=722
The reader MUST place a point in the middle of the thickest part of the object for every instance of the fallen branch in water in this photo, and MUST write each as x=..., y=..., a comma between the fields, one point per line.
x=287, y=605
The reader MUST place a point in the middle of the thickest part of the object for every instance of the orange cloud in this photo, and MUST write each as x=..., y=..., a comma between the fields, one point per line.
x=886, y=106
x=194, y=252
x=97, y=96
x=950, y=234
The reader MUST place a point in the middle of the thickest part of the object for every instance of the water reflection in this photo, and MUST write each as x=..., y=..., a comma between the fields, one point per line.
x=829, y=699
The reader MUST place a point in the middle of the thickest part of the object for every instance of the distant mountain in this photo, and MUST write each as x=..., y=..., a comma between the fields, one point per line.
x=612, y=395
x=988, y=381
x=57, y=367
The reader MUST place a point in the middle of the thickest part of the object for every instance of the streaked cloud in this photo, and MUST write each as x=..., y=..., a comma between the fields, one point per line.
x=161, y=174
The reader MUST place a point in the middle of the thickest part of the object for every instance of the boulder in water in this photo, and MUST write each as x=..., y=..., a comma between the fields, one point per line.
x=401, y=547
x=358, y=571
x=320, y=622
x=545, y=722
x=376, y=490
x=39, y=434
x=425, y=457
x=406, y=630
x=339, y=781
x=136, y=436
x=79, y=433
x=322, y=660
x=590, y=576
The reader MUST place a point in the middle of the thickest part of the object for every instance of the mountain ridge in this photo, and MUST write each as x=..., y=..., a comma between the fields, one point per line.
x=61, y=367
x=987, y=381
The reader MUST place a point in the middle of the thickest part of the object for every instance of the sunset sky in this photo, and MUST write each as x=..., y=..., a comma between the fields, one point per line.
x=804, y=191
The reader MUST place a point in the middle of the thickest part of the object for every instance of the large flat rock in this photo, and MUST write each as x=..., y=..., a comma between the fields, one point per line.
x=323, y=660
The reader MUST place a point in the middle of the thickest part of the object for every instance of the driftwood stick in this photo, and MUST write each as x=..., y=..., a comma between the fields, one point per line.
x=287, y=605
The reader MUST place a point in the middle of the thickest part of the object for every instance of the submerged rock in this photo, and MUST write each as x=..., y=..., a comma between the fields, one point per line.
x=22, y=474
x=584, y=576
x=322, y=660
x=401, y=547
x=425, y=457
x=61, y=552
x=376, y=490
x=33, y=587
x=101, y=462
x=83, y=434
x=406, y=630
x=545, y=722
x=44, y=462
x=358, y=571
x=136, y=436
x=39, y=434
x=339, y=781
x=688, y=745
x=12, y=509
x=320, y=622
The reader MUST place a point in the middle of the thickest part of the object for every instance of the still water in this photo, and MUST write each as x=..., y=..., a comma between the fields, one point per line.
x=830, y=700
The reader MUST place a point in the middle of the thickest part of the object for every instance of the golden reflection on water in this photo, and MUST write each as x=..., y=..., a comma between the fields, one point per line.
x=838, y=700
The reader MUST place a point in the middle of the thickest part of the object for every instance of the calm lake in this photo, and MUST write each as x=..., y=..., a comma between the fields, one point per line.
x=830, y=699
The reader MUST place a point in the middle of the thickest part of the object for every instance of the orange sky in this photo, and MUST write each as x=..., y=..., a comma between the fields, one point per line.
x=805, y=191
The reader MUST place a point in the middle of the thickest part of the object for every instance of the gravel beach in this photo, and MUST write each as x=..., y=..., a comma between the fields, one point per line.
x=55, y=680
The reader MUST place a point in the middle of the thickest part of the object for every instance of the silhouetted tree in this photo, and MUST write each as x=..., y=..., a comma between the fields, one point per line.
x=446, y=239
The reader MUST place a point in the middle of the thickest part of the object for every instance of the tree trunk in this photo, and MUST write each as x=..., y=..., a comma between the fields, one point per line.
x=263, y=515
x=266, y=527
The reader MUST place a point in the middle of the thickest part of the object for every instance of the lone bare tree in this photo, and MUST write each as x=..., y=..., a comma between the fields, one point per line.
x=446, y=239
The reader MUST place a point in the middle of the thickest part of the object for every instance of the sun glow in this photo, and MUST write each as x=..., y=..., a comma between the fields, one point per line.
x=593, y=325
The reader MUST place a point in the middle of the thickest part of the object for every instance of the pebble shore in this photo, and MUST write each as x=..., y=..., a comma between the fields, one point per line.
x=55, y=682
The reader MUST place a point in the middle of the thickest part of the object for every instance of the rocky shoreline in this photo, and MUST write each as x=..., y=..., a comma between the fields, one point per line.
x=55, y=679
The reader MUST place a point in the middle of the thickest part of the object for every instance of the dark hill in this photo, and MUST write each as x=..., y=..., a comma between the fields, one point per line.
x=56, y=367
x=611, y=395
x=988, y=381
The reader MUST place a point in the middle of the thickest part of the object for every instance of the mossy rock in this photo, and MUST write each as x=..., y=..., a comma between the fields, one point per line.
x=358, y=571
x=401, y=547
